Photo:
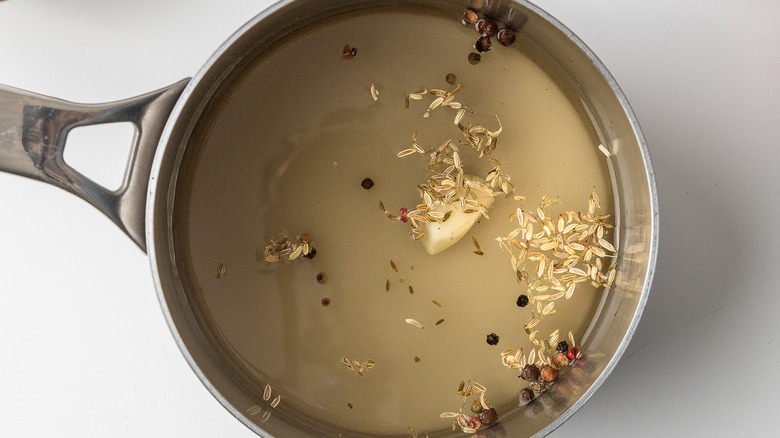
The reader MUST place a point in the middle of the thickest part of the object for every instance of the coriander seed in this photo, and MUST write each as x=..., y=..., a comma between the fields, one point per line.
x=548, y=373
x=451, y=78
x=559, y=360
x=506, y=37
x=474, y=58
x=470, y=16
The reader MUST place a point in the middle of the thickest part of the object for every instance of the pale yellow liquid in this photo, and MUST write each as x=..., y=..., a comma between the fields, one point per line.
x=287, y=153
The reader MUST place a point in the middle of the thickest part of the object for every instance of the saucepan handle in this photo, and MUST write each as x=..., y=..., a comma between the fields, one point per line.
x=33, y=130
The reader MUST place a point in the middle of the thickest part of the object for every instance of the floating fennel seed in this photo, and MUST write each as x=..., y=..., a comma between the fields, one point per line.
x=414, y=322
x=393, y=265
x=349, y=405
x=387, y=286
x=221, y=270
x=367, y=183
x=436, y=303
x=411, y=289
x=439, y=321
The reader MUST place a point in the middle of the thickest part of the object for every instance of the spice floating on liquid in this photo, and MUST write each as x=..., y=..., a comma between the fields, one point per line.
x=288, y=248
x=367, y=183
x=322, y=278
x=356, y=366
x=348, y=52
x=414, y=322
x=221, y=271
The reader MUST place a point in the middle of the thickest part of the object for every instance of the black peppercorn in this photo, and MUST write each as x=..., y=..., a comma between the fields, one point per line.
x=492, y=339
x=562, y=347
x=530, y=372
x=506, y=37
x=325, y=301
x=487, y=416
x=367, y=183
x=474, y=58
x=312, y=252
x=522, y=300
x=487, y=27
x=527, y=395
x=483, y=44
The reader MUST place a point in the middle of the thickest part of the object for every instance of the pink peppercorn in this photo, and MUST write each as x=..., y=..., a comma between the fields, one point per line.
x=573, y=352
x=404, y=212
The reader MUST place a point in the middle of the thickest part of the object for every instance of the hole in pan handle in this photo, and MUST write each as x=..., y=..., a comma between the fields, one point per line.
x=33, y=130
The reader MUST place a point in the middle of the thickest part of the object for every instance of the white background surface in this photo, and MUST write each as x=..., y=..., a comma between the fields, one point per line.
x=84, y=348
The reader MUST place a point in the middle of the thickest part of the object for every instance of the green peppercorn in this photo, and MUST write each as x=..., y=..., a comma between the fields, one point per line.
x=506, y=37
x=476, y=407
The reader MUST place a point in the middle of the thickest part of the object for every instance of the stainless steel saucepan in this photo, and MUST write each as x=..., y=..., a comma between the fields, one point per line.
x=33, y=131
